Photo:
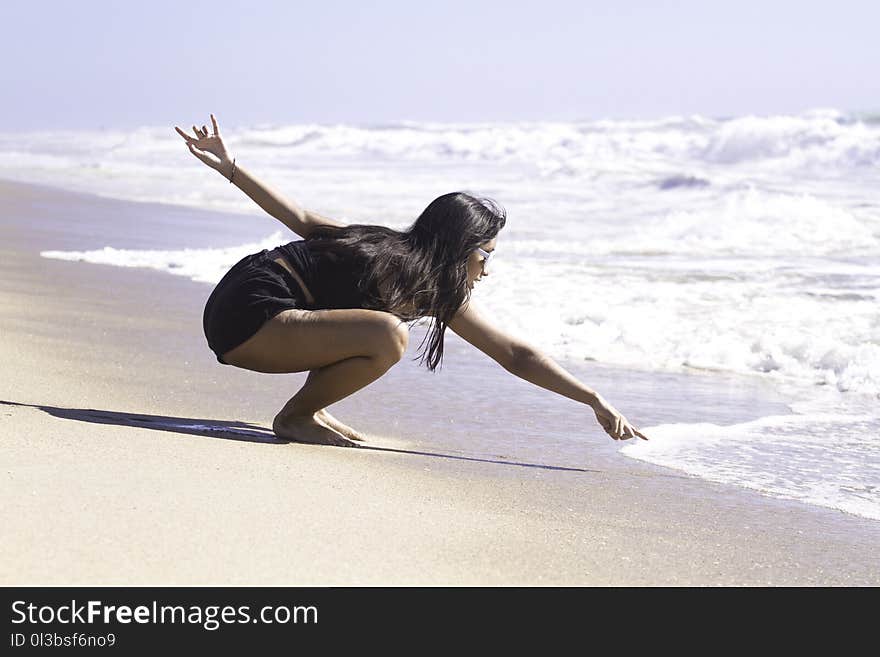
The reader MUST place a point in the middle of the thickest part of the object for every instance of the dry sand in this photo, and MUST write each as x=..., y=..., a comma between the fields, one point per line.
x=98, y=488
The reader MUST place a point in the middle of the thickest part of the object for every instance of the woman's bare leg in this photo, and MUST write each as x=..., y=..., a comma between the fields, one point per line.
x=345, y=350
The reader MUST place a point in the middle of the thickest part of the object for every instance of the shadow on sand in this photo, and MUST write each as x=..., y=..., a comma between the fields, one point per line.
x=235, y=430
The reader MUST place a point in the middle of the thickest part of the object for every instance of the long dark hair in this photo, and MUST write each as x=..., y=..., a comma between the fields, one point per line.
x=421, y=271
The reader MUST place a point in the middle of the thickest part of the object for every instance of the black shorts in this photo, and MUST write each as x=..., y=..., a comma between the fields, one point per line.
x=255, y=290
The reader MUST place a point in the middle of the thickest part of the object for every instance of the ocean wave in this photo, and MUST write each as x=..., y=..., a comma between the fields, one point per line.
x=806, y=141
x=802, y=141
x=200, y=265
x=827, y=459
x=748, y=315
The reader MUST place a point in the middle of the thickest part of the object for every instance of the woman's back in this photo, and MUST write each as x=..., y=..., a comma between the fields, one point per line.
x=331, y=278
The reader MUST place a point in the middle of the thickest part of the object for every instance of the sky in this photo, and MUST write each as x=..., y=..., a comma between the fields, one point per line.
x=95, y=64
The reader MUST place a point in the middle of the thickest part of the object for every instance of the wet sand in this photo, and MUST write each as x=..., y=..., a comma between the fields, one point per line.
x=132, y=457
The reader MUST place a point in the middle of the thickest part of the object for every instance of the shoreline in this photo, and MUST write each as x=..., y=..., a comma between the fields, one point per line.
x=460, y=493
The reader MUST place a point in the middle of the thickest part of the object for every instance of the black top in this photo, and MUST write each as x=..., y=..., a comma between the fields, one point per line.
x=332, y=281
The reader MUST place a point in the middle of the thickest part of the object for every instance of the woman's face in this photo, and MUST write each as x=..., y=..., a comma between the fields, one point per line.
x=475, y=263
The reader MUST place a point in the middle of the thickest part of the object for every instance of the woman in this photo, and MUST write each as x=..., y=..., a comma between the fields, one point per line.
x=335, y=302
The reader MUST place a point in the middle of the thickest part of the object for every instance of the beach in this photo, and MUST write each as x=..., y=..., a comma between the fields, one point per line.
x=131, y=457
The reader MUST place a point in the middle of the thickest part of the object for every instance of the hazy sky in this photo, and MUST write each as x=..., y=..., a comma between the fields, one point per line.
x=93, y=64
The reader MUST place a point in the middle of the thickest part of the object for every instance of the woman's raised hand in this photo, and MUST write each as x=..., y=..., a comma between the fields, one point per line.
x=615, y=425
x=203, y=144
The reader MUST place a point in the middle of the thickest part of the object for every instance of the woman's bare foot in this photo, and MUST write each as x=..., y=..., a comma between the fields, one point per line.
x=325, y=418
x=308, y=429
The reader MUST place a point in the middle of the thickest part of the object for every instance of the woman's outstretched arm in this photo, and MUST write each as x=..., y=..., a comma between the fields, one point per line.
x=530, y=364
x=289, y=213
x=296, y=218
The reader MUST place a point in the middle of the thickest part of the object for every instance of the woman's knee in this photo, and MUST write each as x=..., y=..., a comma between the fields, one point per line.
x=401, y=336
x=393, y=338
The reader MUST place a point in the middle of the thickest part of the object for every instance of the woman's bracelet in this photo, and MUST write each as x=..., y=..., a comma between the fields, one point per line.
x=232, y=175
